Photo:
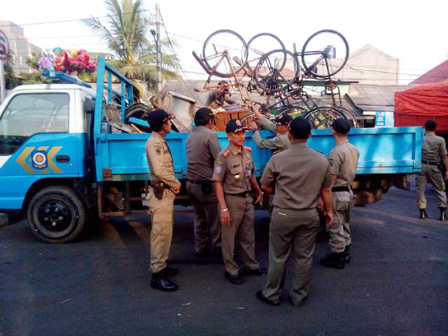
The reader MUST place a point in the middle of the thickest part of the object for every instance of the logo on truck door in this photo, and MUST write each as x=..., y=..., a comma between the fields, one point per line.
x=34, y=160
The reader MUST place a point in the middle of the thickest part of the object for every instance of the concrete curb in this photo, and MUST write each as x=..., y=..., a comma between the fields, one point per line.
x=4, y=220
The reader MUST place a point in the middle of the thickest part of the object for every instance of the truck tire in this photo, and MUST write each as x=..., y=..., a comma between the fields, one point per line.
x=56, y=214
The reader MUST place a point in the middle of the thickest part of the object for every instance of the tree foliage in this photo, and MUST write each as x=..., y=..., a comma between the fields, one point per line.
x=11, y=80
x=126, y=34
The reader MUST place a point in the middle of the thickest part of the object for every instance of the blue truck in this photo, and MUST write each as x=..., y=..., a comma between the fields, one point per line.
x=62, y=162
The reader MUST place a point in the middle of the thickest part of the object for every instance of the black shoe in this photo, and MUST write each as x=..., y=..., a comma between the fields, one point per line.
x=423, y=214
x=217, y=251
x=258, y=271
x=443, y=214
x=169, y=271
x=263, y=298
x=347, y=255
x=202, y=254
x=334, y=260
x=162, y=283
x=235, y=279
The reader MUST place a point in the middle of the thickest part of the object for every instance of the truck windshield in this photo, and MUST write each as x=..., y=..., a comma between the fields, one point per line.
x=31, y=113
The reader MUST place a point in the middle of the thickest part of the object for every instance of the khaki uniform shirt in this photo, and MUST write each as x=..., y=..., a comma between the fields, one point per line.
x=343, y=160
x=278, y=143
x=234, y=168
x=434, y=147
x=202, y=150
x=298, y=174
x=160, y=161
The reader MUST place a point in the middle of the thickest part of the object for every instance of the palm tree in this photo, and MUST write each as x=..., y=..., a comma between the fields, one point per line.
x=126, y=35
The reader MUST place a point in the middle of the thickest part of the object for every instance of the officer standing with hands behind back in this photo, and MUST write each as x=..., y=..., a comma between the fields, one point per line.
x=296, y=177
x=161, y=197
x=234, y=178
x=202, y=150
x=433, y=153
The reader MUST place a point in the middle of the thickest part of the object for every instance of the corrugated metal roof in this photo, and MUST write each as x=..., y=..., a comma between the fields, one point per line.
x=369, y=97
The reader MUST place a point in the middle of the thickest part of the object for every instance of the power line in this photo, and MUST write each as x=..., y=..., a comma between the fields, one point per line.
x=177, y=59
x=71, y=20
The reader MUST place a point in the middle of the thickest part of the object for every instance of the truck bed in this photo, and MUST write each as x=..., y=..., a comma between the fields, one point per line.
x=388, y=150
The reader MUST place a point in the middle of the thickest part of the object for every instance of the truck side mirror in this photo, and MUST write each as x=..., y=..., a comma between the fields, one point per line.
x=89, y=106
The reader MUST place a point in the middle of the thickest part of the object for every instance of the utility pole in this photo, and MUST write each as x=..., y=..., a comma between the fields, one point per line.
x=159, y=54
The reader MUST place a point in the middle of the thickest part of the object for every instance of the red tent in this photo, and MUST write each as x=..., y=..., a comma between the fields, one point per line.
x=415, y=106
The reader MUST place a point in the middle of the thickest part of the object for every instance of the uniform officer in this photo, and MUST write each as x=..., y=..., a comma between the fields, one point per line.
x=280, y=127
x=234, y=177
x=165, y=186
x=343, y=161
x=433, y=152
x=297, y=176
x=202, y=150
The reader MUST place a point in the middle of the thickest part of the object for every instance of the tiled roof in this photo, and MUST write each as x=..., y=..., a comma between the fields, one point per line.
x=435, y=75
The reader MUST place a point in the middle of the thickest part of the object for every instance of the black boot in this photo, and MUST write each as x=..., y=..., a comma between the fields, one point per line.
x=334, y=260
x=423, y=214
x=347, y=255
x=169, y=271
x=442, y=214
x=161, y=282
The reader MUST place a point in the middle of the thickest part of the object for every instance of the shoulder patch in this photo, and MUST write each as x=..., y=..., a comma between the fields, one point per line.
x=249, y=149
x=225, y=152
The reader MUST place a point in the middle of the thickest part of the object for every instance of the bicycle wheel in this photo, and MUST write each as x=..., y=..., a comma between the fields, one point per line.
x=348, y=115
x=219, y=51
x=260, y=45
x=323, y=116
x=272, y=74
x=325, y=53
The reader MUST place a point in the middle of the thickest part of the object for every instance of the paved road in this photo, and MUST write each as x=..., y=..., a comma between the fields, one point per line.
x=397, y=283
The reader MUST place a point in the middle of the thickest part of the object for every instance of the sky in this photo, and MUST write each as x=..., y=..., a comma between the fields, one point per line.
x=413, y=31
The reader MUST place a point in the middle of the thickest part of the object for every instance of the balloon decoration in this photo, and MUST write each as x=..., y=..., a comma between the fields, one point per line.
x=67, y=61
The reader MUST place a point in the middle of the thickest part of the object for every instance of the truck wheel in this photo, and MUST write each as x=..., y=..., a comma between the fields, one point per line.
x=56, y=214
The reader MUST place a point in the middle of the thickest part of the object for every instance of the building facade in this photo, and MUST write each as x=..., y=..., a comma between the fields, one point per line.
x=19, y=45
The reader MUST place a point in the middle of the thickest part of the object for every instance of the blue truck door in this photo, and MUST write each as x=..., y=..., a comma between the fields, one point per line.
x=36, y=142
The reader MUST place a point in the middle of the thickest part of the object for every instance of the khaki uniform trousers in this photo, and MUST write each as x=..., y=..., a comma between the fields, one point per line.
x=433, y=175
x=206, y=217
x=339, y=232
x=161, y=212
x=291, y=231
x=241, y=226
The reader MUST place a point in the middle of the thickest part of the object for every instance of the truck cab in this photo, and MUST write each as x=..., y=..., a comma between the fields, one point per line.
x=45, y=142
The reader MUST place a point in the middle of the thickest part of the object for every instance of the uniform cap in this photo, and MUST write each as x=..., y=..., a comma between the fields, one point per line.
x=341, y=126
x=234, y=126
x=283, y=120
x=203, y=114
x=158, y=117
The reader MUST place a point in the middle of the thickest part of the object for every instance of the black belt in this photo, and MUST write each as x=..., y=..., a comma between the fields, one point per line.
x=200, y=182
x=430, y=163
x=243, y=194
x=336, y=189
